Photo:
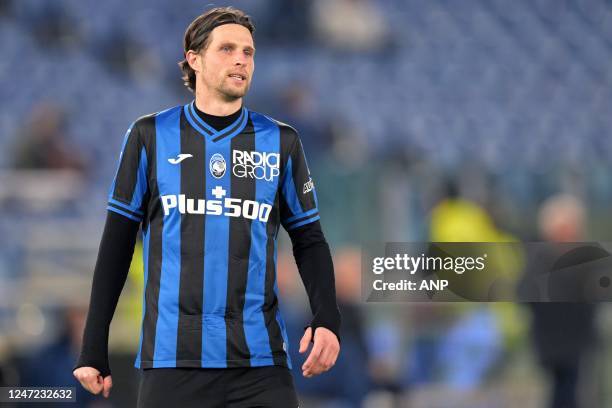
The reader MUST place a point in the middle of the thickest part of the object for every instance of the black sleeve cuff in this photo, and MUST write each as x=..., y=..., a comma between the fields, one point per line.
x=100, y=364
x=330, y=321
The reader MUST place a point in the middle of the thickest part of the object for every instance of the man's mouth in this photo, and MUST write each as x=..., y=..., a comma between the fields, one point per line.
x=239, y=77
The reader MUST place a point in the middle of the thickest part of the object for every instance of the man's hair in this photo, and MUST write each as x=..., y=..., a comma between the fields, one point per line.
x=197, y=35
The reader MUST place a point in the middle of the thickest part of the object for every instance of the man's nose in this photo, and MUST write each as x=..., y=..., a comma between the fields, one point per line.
x=240, y=60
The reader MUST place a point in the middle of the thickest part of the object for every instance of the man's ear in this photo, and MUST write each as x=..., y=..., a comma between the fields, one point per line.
x=193, y=60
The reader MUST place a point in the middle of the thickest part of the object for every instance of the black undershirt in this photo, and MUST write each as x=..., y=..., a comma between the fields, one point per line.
x=218, y=122
x=310, y=250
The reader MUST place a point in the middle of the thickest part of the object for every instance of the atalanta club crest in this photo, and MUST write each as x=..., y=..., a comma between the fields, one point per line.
x=217, y=165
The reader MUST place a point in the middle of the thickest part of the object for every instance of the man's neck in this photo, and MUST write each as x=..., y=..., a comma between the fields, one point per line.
x=214, y=104
x=218, y=122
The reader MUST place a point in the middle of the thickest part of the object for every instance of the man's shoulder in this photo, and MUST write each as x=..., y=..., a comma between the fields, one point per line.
x=147, y=122
x=286, y=131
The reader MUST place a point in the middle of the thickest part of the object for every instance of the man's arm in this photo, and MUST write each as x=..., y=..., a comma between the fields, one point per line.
x=111, y=270
x=127, y=203
x=299, y=214
x=316, y=268
x=314, y=262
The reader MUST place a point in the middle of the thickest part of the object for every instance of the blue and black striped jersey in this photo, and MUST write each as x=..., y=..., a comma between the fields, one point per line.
x=211, y=203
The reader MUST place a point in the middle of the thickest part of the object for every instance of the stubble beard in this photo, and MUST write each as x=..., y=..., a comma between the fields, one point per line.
x=230, y=94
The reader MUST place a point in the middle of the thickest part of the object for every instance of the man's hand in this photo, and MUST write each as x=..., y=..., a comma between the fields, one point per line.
x=92, y=381
x=323, y=354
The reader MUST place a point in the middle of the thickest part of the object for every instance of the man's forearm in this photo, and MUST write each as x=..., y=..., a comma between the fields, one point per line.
x=110, y=273
x=314, y=262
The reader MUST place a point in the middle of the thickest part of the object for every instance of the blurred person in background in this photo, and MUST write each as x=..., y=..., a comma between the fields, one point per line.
x=562, y=333
x=42, y=144
x=349, y=25
x=212, y=333
x=457, y=346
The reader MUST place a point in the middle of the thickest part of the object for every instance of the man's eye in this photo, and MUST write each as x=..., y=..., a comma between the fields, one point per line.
x=226, y=49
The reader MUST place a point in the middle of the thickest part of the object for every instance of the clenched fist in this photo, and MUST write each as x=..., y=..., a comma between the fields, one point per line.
x=92, y=381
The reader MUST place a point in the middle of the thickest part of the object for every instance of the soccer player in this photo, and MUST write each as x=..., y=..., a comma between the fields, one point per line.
x=211, y=182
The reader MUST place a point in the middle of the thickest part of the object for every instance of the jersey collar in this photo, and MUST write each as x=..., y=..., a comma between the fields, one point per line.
x=209, y=132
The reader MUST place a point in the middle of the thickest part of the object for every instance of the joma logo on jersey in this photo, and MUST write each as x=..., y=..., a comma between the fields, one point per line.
x=257, y=165
x=229, y=207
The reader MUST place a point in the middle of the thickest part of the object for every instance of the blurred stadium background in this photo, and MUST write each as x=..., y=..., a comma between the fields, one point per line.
x=445, y=120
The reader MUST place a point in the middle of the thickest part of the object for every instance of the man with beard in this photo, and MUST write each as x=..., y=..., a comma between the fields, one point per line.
x=211, y=182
